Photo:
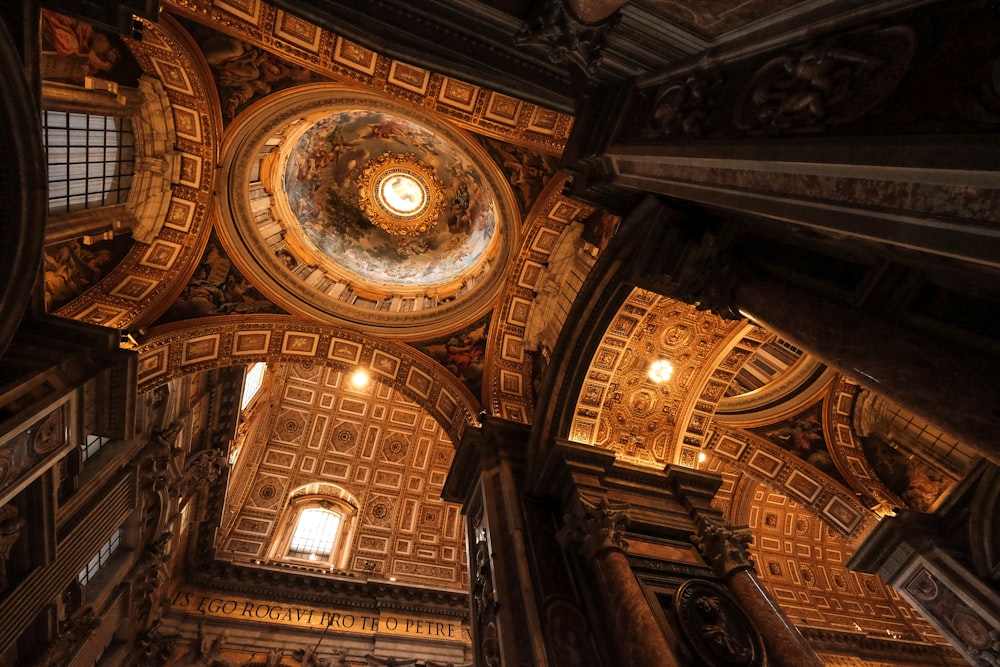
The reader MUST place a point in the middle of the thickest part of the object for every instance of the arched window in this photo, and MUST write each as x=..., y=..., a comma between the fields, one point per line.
x=315, y=533
x=317, y=527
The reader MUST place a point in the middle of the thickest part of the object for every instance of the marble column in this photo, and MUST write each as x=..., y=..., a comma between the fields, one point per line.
x=725, y=550
x=597, y=532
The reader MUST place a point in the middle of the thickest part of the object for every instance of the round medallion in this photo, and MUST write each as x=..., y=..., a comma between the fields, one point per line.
x=717, y=629
x=400, y=194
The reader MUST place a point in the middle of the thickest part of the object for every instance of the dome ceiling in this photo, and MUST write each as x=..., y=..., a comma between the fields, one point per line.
x=389, y=201
x=342, y=204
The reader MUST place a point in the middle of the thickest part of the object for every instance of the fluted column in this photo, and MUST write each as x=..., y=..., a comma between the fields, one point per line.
x=597, y=532
x=726, y=551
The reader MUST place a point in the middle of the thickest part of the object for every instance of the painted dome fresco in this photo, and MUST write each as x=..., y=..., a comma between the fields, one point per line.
x=389, y=200
x=347, y=206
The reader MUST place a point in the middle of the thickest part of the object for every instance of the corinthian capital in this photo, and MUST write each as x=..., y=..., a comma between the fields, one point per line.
x=724, y=548
x=595, y=527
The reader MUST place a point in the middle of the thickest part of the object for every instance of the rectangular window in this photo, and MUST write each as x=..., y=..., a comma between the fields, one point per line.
x=252, y=383
x=91, y=159
x=102, y=556
x=91, y=445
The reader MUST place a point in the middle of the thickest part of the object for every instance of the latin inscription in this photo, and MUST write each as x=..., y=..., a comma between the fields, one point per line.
x=312, y=617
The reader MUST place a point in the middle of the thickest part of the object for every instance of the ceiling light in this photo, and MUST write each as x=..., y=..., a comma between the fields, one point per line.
x=701, y=457
x=360, y=379
x=660, y=371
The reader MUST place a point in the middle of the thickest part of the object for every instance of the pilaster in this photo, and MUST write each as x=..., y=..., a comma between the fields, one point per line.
x=936, y=562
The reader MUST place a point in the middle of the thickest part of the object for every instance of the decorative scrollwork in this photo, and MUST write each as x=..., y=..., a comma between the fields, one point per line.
x=565, y=38
x=595, y=528
x=725, y=549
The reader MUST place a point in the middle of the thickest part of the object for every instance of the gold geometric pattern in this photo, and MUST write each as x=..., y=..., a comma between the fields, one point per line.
x=331, y=55
x=509, y=398
x=117, y=300
x=791, y=476
x=225, y=341
x=803, y=563
x=620, y=408
x=375, y=443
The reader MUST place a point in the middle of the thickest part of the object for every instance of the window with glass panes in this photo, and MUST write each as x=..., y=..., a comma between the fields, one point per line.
x=315, y=533
x=252, y=383
x=102, y=556
x=91, y=445
x=91, y=159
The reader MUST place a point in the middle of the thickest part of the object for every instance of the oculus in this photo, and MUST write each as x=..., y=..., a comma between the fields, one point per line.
x=400, y=194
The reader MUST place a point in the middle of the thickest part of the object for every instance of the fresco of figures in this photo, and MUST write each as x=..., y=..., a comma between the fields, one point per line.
x=71, y=268
x=243, y=73
x=526, y=171
x=462, y=354
x=802, y=435
x=912, y=479
x=73, y=49
x=217, y=288
x=321, y=185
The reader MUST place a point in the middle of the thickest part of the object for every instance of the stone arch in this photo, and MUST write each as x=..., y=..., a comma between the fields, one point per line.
x=628, y=282
x=509, y=391
x=784, y=473
x=213, y=342
x=153, y=273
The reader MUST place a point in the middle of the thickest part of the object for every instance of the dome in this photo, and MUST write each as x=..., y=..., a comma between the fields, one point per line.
x=346, y=206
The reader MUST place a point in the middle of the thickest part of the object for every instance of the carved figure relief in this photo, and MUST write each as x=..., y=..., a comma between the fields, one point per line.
x=244, y=73
x=572, y=642
x=152, y=647
x=680, y=108
x=217, y=288
x=207, y=652
x=73, y=50
x=715, y=627
x=307, y=657
x=73, y=631
x=968, y=631
x=831, y=83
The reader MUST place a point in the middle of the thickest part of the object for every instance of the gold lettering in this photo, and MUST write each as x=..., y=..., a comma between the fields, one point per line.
x=316, y=618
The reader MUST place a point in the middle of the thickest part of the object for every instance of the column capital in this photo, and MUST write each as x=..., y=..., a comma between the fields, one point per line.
x=724, y=548
x=595, y=527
